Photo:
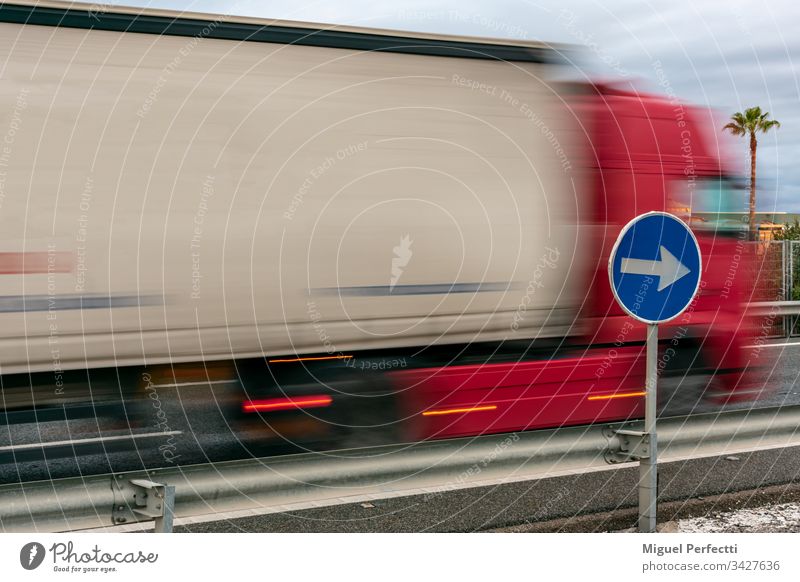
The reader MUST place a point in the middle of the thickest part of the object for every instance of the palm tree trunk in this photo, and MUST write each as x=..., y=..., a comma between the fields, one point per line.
x=752, y=221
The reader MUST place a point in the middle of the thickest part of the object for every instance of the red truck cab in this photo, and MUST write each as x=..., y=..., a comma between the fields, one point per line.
x=646, y=153
x=659, y=154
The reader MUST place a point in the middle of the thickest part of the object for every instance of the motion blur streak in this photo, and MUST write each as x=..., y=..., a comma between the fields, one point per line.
x=286, y=403
x=621, y=395
x=29, y=263
x=315, y=359
x=458, y=410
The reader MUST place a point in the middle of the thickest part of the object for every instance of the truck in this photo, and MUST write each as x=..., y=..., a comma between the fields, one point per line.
x=375, y=233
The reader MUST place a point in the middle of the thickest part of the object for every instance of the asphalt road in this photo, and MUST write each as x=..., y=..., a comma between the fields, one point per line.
x=189, y=424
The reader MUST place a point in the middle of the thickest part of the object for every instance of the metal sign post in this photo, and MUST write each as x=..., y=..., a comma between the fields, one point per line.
x=654, y=270
x=648, y=465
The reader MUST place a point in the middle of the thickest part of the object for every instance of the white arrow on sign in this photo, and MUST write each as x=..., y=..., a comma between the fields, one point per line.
x=668, y=269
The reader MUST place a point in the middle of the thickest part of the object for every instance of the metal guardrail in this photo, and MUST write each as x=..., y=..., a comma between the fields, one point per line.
x=786, y=310
x=774, y=308
x=388, y=471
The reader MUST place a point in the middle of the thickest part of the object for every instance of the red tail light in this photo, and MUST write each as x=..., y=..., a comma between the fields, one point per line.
x=273, y=404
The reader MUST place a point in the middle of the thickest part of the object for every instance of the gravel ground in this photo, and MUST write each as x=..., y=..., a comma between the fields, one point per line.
x=784, y=518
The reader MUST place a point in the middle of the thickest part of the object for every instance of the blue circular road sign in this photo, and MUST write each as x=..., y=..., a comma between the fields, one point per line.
x=655, y=267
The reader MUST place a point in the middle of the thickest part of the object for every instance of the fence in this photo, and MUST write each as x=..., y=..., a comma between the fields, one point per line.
x=776, y=277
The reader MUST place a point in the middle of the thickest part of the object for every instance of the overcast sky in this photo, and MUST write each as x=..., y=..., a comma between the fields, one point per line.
x=728, y=55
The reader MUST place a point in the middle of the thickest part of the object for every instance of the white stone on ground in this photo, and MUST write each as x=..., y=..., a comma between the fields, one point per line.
x=782, y=518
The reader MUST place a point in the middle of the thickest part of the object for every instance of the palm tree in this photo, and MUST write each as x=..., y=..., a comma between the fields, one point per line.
x=749, y=123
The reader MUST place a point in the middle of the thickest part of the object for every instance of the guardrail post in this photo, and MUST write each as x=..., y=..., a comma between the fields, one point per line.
x=163, y=524
x=144, y=498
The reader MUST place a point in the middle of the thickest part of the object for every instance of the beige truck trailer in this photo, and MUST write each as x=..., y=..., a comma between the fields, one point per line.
x=180, y=187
